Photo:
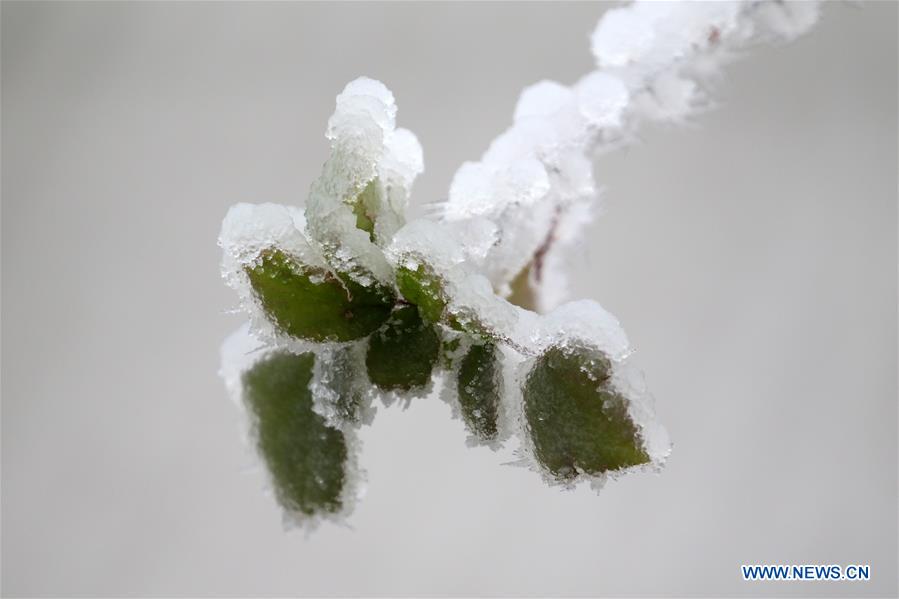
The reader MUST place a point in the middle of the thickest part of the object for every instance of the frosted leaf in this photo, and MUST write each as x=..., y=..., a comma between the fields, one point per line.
x=248, y=231
x=404, y=352
x=581, y=323
x=475, y=307
x=629, y=381
x=339, y=386
x=312, y=467
x=364, y=183
x=435, y=271
x=432, y=259
x=421, y=286
x=480, y=389
x=478, y=384
x=577, y=422
x=314, y=304
x=586, y=412
x=304, y=456
x=250, y=228
x=332, y=223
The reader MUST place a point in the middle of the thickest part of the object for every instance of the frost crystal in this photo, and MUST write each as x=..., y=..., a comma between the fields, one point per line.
x=348, y=303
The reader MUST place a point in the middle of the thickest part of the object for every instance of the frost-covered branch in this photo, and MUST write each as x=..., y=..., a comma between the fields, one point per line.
x=348, y=303
x=532, y=191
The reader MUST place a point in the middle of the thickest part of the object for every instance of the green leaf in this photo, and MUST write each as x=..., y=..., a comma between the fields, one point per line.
x=479, y=390
x=403, y=352
x=312, y=303
x=423, y=288
x=305, y=457
x=364, y=205
x=472, y=326
x=450, y=344
x=577, y=421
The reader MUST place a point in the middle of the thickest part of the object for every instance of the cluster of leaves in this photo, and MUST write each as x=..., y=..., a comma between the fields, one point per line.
x=406, y=333
x=353, y=302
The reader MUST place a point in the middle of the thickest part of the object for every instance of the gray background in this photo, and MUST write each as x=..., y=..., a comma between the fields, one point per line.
x=751, y=258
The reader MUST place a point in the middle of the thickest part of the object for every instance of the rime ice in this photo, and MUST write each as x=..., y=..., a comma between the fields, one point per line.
x=348, y=302
x=656, y=61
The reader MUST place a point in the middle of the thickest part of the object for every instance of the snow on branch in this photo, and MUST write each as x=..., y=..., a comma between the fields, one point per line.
x=533, y=190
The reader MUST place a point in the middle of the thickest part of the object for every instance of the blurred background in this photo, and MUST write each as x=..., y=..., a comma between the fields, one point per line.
x=751, y=257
